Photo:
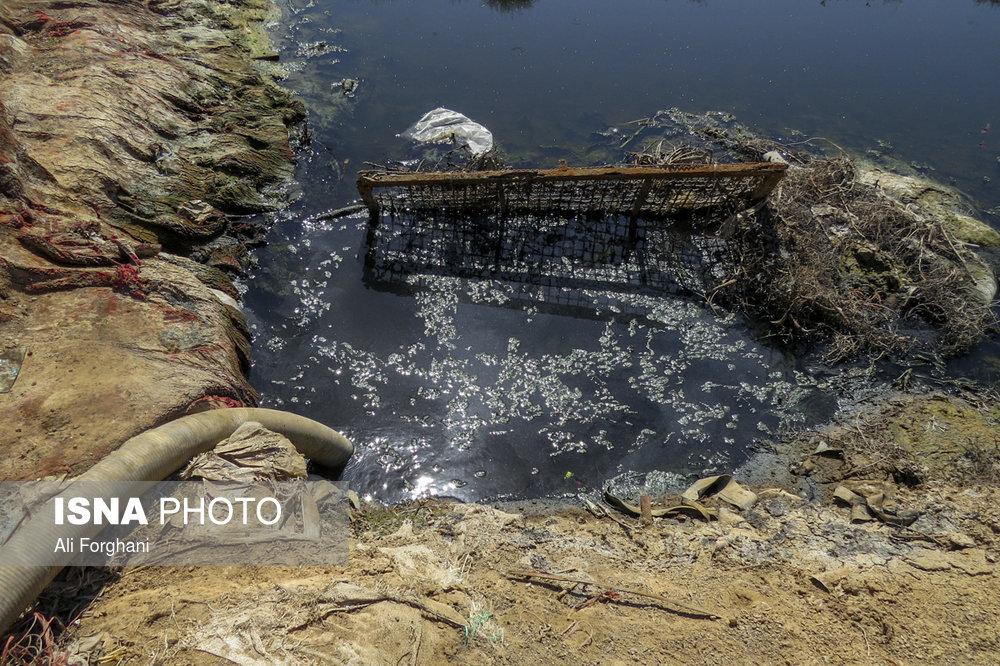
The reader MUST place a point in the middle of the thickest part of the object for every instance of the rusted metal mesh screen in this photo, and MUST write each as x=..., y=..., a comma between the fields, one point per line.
x=565, y=231
x=581, y=252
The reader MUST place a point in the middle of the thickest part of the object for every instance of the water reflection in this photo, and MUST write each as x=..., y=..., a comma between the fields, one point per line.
x=446, y=393
x=509, y=5
x=552, y=261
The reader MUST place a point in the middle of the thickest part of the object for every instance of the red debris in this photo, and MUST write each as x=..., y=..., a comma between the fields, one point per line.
x=213, y=402
x=126, y=279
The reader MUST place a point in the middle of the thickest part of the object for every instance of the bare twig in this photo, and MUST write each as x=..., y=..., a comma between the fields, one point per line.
x=354, y=604
x=341, y=212
x=668, y=604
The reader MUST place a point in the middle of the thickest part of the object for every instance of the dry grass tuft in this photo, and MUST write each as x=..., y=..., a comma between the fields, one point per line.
x=830, y=258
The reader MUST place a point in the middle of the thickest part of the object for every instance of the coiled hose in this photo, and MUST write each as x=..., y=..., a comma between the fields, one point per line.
x=152, y=456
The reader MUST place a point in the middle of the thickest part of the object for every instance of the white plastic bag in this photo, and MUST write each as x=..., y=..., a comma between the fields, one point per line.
x=446, y=126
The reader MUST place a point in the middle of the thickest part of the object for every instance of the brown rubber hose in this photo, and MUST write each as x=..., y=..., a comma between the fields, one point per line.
x=152, y=456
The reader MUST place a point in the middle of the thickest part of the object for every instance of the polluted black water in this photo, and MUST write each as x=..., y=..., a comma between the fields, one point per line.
x=481, y=388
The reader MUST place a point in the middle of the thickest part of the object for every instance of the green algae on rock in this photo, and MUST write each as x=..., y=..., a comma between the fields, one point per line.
x=837, y=255
x=942, y=202
x=913, y=438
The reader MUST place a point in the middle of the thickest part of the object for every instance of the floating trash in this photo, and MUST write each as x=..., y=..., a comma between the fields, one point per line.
x=446, y=126
x=10, y=366
x=349, y=87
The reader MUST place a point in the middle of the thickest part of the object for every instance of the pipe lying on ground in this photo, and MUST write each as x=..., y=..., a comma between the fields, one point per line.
x=152, y=456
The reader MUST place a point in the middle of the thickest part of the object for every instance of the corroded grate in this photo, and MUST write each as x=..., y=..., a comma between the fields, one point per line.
x=566, y=231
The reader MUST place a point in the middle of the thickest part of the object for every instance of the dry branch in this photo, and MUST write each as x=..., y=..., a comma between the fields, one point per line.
x=668, y=604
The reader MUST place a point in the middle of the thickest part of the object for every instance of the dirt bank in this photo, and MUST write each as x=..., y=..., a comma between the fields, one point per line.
x=797, y=578
x=132, y=137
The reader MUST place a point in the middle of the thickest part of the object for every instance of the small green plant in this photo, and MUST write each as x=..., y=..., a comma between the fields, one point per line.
x=481, y=623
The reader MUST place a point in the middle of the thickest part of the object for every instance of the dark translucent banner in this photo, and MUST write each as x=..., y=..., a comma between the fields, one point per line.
x=188, y=523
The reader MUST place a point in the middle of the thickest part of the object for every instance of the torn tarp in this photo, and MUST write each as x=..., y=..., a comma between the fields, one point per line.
x=446, y=126
x=10, y=366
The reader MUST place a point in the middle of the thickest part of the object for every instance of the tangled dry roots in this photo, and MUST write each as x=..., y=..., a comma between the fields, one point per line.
x=835, y=259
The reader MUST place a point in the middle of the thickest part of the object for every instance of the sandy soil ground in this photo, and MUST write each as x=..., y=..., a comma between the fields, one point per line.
x=789, y=580
x=792, y=583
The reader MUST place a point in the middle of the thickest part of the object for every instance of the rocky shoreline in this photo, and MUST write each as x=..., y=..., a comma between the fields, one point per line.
x=134, y=138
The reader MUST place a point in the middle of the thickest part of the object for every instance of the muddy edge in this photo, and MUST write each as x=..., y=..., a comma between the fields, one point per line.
x=134, y=139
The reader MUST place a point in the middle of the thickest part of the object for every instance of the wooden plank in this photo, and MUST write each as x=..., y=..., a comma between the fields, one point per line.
x=758, y=180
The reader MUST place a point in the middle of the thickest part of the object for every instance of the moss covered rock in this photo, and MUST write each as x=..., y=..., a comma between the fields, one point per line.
x=939, y=201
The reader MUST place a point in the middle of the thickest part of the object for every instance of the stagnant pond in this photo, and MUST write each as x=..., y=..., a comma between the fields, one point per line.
x=471, y=390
